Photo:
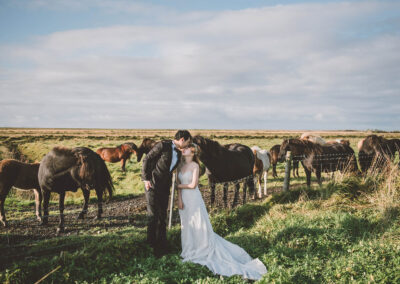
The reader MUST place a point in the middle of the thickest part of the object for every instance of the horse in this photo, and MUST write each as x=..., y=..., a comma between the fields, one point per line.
x=317, y=158
x=383, y=150
x=365, y=160
x=341, y=141
x=262, y=164
x=313, y=138
x=226, y=163
x=274, y=152
x=20, y=175
x=144, y=148
x=120, y=153
x=64, y=169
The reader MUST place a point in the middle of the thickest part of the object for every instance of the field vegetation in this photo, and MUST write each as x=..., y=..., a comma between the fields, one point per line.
x=345, y=231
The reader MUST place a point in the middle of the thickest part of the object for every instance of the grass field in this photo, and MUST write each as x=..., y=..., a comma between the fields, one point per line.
x=347, y=230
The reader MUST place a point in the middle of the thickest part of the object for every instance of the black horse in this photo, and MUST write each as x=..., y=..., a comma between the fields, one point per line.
x=144, y=148
x=226, y=163
x=64, y=169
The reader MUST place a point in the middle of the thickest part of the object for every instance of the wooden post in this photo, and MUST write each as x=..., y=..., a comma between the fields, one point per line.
x=172, y=200
x=286, y=181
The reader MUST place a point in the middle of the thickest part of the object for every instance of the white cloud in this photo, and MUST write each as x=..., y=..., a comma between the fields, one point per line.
x=295, y=66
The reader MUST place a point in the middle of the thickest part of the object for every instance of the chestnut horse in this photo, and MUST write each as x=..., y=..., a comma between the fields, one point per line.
x=121, y=153
x=64, y=169
x=226, y=163
x=262, y=164
x=274, y=152
x=144, y=148
x=317, y=158
x=20, y=175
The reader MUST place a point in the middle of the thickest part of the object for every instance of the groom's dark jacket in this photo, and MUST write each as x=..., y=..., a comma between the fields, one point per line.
x=157, y=163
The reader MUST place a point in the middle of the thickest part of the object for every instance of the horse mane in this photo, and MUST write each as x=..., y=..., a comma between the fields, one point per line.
x=131, y=145
x=63, y=150
x=208, y=142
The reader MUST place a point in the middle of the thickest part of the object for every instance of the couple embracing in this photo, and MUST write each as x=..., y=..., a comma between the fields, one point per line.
x=199, y=242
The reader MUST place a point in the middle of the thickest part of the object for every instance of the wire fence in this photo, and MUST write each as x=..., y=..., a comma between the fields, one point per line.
x=133, y=207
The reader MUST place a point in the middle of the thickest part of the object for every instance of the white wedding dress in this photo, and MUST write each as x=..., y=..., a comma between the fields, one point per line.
x=201, y=245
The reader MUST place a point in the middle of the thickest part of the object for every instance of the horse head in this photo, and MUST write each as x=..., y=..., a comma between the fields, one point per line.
x=285, y=146
x=372, y=144
x=129, y=147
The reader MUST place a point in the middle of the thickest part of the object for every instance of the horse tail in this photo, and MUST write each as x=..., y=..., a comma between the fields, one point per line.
x=103, y=177
x=93, y=172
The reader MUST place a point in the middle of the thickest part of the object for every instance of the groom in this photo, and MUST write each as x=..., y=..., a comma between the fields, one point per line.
x=157, y=169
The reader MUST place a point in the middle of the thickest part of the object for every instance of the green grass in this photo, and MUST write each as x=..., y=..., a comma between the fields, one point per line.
x=347, y=231
x=302, y=236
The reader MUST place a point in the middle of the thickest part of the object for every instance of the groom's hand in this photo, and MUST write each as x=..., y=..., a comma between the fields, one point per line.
x=147, y=185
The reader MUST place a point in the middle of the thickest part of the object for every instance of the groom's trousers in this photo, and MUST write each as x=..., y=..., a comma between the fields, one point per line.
x=157, y=206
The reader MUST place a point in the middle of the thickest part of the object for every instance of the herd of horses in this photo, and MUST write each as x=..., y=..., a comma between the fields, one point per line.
x=65, y=169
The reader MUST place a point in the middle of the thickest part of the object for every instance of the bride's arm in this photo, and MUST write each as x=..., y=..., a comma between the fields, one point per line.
x=195, y=180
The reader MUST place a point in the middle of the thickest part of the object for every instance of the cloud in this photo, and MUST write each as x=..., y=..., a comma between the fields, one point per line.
x=304, y=66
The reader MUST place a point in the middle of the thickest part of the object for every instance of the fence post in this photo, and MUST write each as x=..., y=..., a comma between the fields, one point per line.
x=286, y=181
x=172, y=200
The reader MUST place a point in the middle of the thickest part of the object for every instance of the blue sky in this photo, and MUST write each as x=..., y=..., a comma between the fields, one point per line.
x=200, y=64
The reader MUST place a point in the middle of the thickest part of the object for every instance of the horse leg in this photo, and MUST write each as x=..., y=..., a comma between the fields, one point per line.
x=86, y=194
x=308, y=175
x=38, y=203
x=212, y=198
x=2, y=213
x=245, y=191
x=123, y=161
x=318, y=174
x=250, y=184
x=226, y=195
x=61, y=208
x=99, y=194
x=236, y=198
x=274, y=173
x=265, y=182
x=259, y=193
x=294, y=169
x=46, y=199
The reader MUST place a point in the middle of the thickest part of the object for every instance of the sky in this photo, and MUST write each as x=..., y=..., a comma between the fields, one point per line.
x=234, y=64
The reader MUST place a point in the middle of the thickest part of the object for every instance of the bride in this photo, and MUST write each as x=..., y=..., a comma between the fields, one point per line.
x=199, y=242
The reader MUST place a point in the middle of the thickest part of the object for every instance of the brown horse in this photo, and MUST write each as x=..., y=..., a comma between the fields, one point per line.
x=317, y=158
x=262, y=163
x=144, y=148
x=20, y=175
x=121, y=153
x=226, y=163
x=274, y=152
x=383, y=150
x=365, y=160
x=64, y=169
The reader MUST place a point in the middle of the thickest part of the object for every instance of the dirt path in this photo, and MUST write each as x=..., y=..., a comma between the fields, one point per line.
x=117, y=214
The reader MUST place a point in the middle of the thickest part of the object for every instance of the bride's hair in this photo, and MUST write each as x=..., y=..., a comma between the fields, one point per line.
x=194, y=148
